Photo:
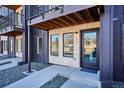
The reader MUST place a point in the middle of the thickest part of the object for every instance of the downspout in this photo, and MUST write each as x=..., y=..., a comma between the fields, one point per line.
x=29, y=58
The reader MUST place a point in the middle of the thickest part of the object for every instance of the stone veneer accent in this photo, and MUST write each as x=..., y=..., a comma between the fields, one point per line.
x=75, y=61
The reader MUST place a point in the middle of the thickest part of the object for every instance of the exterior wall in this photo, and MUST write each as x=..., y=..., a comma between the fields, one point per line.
x=106, y=44
x=43, y=57
x=111, y=44
x=75, y=61
x=118, y=43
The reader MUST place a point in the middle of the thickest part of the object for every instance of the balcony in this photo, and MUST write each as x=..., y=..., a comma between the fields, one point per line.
x=3, y=11
x=11, y=25
x=63, y=16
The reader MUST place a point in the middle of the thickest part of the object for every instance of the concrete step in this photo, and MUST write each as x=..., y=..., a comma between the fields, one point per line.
x=76, y=84
x=86, y=78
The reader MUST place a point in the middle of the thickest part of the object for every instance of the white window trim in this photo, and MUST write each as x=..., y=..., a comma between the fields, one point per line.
x=38, y=44
x=11, y=45
x=5, y=46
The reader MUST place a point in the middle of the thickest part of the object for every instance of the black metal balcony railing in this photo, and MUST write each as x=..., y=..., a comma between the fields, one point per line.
x=36, y=11
x=12, y=20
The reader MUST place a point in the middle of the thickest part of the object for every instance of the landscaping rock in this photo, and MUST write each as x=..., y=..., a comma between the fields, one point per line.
x=56, y=82
x=11, y=75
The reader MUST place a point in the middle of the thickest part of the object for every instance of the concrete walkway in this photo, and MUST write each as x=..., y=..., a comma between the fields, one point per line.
x=41, y=77
x=76, y=84
x=14, y=62
x=80, y=79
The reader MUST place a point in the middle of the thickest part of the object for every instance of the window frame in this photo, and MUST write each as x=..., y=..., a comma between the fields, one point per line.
x=21, y=45
x=51, y=45
x=17, y=45
x=11, y=45
x=73, y=45
x=4, y=45
x=37, y=44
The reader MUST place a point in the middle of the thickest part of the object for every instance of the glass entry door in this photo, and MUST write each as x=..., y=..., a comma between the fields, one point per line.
x=89, y=49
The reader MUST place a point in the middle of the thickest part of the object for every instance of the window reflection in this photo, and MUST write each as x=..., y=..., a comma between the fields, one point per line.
x=5, y=45
x=68, y=44
x=90, y=47
x=54, y=45
x=39, y=44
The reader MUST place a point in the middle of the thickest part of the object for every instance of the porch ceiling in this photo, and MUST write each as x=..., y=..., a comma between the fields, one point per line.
x=75, y=18
x=13, y=7
x=13, y=33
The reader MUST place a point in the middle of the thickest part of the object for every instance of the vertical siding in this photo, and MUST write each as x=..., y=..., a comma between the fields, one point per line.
x=106, y=46
x=118, y=66
x=111, y=32
x=43, y=57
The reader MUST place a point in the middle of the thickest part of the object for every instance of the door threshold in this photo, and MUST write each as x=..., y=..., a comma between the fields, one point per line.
x=94, y=71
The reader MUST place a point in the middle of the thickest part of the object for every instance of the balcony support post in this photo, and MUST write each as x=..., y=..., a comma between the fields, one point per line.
x=29, y=58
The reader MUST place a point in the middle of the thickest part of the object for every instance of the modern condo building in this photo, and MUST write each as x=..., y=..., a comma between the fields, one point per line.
x=82, y=36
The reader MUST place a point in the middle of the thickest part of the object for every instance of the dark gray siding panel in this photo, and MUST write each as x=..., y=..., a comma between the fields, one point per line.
x=118, y=66
x=39, y=57
x=111, y=32
x=106, y=45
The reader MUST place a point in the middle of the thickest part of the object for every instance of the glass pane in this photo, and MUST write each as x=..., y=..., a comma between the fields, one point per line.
x=68, y=44
x=16, y=45
x=21, y=45
x=90, y=47
x=4, y=45
x=40, y=45
x=11, y=45
x=55, y=44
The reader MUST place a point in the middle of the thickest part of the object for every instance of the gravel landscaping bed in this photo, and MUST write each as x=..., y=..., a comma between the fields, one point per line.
x=13, y=74
x=56, y=82
x=112, y=84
